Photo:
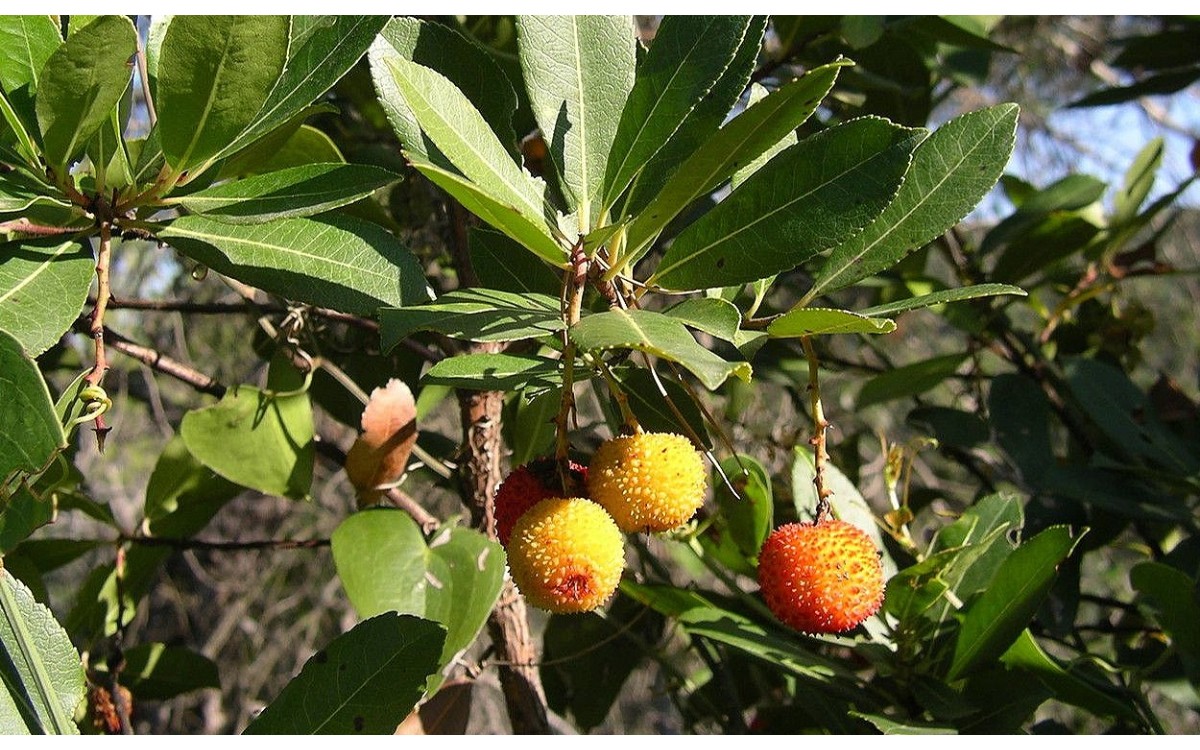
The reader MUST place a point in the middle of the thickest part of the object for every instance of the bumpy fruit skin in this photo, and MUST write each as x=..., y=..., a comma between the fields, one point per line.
x=648, y=482
x=566, y=555
x=822, y=578
x=525, y=487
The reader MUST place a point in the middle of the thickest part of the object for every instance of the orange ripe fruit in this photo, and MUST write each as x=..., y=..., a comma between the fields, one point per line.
x=821, y=578
x=649, y=481
x=525, y=487
x=566, y=555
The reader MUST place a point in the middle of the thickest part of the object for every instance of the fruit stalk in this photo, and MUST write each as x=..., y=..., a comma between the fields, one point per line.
x=574, y=283
x=820, y=429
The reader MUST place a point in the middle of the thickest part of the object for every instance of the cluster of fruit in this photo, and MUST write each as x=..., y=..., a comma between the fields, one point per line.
x=566, y=548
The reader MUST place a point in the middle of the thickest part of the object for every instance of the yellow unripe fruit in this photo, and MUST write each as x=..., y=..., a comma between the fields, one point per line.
x=566, y=555
x=649, y=481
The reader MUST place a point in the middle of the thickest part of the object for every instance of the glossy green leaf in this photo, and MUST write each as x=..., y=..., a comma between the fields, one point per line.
x=758, y=92
x=52, y=554
x=255, y=440
x=42, y=673
x=975, y=291
x=364, y=682
x=533, y=234
x=714, y=316
x=744, y=139
x=461, y=59
x=701, y=123
x=292, y=144
x=322, y=49
x=81, y=83
x=106, y=150
x=657, y=334
x=1071, y=193
x=298, y=191
x=474, y=314
x=995, y=620
x=460, y=132
x=334, y=261
x=807, y=199
x=22, y=512
x=32, y=433
x=182, y=494
x=653, y=409
x=26, y=148
x=214, y=75
x=1027, y=655
x=951, y=172
x=26, y=43
x=385, y=565
x=156, y=671
x=494, y=372
x=688, y=56
x=816, y=321
x=500, y=262
x=530, y=431
x=579, y=71
x=909, y=380
x=1171, y=596
x=749, y=515
x=43, y=286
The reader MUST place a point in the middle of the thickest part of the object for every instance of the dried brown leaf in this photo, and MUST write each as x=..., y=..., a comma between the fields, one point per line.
x=389, y=430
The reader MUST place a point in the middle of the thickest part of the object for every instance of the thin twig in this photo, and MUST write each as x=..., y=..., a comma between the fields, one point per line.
x=96, y=325
x=223, y=545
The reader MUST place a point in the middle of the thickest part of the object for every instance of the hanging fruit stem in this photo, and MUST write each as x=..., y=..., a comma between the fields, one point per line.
x=820, y=427
x=574, y=282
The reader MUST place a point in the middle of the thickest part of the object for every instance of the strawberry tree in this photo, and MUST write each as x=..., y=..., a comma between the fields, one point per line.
x=632, y=237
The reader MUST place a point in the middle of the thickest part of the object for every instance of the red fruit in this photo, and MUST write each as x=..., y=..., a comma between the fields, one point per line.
x=528, y=485
x=821, y=578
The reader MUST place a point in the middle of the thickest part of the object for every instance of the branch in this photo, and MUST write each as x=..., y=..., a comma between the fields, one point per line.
x=222, y=546
x=96, y=324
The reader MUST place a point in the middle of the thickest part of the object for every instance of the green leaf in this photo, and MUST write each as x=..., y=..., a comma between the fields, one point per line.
x=21, y=513
x=43, y=285
x=749, y=516
x=995, y=620
x=909, y=380
x=52, y=554
x=815, y=321
x=689, y=55
x=334, y=261
x=529, y=233
x=42, y=673
x=1171, y=596
x=321, y=50
x=255, y=440
x=474, y=314
x=461, y=133
x=501, y=263
x=364, y=682
x=531, y=429
x=214, y=75
x=182, y=494
x=807, y=199
x=81, y=83
x=587, y=659
x=657, y=334
x=1139, y=179
x=938, y=298
x=757, y=94
x=1026, y=655
x=158, y=672
x=385, y=565
x=951, y=172
x=298, y=191
x=461, y=59
x=701, y=123
x=26, y=148
x=950, y=427
x=1071, y=193
x=889, y=726
x=26, y=43
x=745, y=138
x=292, y=144
x=32, y=433
x=579, y=71
x=714, y=316
x=1019, y=413
x=494, y=372
x=653, y=410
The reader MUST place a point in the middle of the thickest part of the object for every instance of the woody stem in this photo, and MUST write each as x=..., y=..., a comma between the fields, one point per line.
x=820, y=429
